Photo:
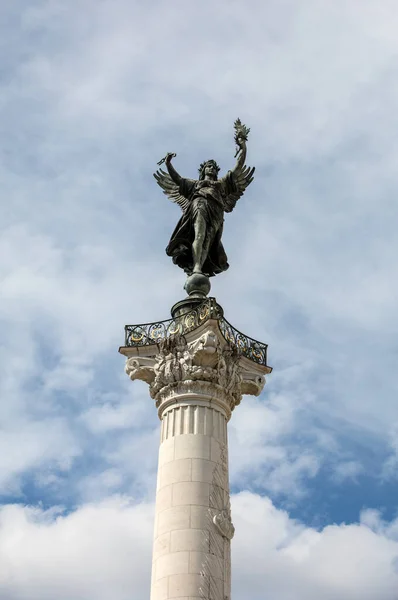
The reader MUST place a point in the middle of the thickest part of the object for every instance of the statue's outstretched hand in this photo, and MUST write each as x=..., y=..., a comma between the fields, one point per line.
x=241, y=141
x=240, y=145
x=167, y=158
x=241, y=133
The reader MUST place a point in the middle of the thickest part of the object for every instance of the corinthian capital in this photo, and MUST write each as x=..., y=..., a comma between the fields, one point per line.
x=208, y=360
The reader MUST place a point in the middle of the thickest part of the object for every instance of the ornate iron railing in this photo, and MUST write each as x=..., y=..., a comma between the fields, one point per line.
x=147, y=334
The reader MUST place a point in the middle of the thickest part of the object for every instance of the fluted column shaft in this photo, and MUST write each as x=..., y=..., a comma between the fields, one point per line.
x=191, y=558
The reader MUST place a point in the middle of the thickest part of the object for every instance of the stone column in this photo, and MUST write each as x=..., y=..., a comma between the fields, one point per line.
x=196, y=381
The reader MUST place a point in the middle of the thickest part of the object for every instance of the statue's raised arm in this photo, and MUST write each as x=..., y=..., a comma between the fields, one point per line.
x=177, y=188
x=237, y=180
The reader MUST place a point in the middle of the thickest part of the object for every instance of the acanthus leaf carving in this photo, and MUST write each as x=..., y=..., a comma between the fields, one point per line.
x=180, y=366
x=203, y=360
x=140, y=368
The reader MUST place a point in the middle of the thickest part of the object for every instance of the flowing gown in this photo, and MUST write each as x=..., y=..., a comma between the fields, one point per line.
x=205, y=198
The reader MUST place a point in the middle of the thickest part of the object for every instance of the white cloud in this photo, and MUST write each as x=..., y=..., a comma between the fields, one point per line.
x=99, y=551
x=373, y=519
x=390, y=466
x=103, y=551
x=263, y=450
x=349, y=469
x=28, y=444
x=277, y=557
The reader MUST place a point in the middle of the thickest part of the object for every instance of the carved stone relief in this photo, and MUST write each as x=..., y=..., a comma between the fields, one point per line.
x=223, y=523
x=204, y=360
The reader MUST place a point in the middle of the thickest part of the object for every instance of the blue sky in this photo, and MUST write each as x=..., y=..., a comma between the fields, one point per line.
x=93, y=95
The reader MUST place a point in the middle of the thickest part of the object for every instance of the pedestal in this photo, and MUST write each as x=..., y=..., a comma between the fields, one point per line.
x=197, y=367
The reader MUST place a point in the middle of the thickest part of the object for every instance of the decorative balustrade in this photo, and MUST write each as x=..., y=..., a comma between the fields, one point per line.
x=148, y=334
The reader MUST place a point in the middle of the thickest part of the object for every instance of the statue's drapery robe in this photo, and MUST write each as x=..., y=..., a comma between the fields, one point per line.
x=205, y=198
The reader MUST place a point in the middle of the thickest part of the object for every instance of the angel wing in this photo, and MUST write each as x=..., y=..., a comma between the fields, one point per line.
x=171, y=189
x=235, y=183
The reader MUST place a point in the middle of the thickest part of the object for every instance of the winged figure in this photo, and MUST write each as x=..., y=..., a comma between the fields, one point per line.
x=196, y=245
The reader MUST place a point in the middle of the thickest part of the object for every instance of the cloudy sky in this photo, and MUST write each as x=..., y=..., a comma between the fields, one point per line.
x=93, y=94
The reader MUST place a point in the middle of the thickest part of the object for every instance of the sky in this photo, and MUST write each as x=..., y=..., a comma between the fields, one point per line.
x=93, y=94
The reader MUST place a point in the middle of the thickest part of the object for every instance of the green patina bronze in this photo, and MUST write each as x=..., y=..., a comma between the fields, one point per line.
x=195, y=244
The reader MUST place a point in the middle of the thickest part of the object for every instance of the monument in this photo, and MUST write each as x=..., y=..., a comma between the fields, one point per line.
x=197, y=366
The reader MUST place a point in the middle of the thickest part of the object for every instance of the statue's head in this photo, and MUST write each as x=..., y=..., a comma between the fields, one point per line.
x=209, y=169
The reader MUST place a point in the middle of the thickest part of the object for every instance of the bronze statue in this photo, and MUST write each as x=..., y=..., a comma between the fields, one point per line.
x=196, y=245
